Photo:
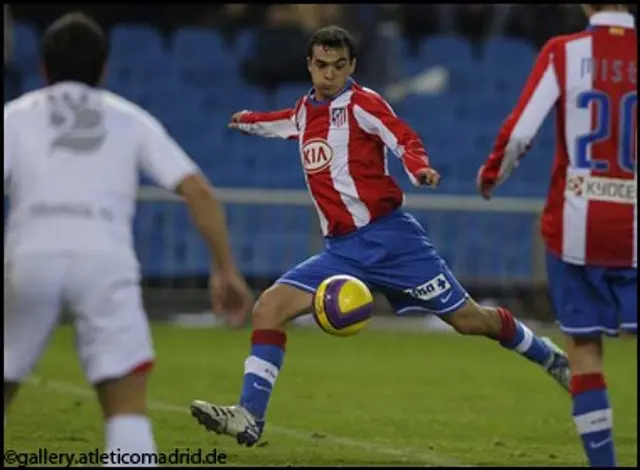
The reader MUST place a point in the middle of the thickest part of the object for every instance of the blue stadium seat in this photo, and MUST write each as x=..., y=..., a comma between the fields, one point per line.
x=287, y=95
x=446, y=50
x=31, y=82
x=508, y=51
x=135, y=44
x=244, y=44
x=26, y=47
x=197, y=45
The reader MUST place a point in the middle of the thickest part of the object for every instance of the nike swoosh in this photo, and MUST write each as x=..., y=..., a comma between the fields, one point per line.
x=261, y=387
x=445, y=299
x=596, y=445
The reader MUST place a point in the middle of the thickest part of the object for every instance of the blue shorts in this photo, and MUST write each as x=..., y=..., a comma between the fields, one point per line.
x=394, y=257
x=590, y=300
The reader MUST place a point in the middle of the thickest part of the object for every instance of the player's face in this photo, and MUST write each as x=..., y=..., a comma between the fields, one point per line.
x=330, y=68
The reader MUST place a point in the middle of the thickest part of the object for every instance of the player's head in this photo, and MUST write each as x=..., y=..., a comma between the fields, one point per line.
x=331, y=59
x=74, y=48
x=591, y=8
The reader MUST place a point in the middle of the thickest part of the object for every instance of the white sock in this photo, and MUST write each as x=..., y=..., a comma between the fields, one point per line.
x=130, y=438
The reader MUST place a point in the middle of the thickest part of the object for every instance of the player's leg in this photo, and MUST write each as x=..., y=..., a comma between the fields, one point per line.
x=416, y=278
x=288, y=298
x=33, y=295
x=589, y=301
x=115, y=347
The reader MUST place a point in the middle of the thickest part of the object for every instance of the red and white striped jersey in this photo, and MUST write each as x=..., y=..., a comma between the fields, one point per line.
x=342, y=147
x=590, y=216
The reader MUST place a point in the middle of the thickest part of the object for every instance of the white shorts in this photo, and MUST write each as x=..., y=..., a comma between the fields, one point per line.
x=102, y=292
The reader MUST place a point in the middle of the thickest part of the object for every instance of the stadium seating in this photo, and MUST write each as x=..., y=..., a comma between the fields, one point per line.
x=191, y=82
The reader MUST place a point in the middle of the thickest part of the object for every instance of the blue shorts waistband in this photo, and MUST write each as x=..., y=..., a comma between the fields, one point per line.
x=394, y=214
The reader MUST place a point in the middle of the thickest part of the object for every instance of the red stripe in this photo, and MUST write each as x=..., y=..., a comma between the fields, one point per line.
x=609, y=238
x=508, y=328
x=269, y=337
x=321, y=184
x=142, y=368
x=586, y=382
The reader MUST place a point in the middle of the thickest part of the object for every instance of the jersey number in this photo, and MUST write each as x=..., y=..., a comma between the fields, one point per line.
x=626, y=120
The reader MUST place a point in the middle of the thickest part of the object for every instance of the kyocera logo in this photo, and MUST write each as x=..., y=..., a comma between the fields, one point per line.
x=316, y=156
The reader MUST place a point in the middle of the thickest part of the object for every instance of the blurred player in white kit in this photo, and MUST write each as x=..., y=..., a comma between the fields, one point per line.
x=72, y=155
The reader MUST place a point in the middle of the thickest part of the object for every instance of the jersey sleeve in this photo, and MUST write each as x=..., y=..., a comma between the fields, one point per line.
x=275, y=124
x=161, y=158
x=540, y=94
x=374, y=116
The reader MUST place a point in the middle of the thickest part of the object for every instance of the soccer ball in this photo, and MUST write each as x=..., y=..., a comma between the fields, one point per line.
x=342, y=305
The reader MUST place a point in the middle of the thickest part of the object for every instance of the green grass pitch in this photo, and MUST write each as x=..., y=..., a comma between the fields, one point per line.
x=380, y=398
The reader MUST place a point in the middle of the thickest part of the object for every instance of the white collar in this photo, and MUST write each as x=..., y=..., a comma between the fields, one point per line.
x=612, y=18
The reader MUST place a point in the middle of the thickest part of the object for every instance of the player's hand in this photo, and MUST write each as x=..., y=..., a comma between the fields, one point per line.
x=428, y=177
x=231, y=297
x=485, y=181
x=235, y=119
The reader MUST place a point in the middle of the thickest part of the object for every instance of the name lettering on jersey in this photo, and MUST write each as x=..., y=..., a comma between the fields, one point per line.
x=338, y=117
x=79, y=124
x=75, y=210
x=317, y=155
x=430, y=289
x=597, y=188
x=606, y=70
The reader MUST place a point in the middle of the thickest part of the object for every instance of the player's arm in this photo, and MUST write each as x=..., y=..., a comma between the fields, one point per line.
x=375, y=116
x=540, y=94
x=167, y=164
x=275, y=124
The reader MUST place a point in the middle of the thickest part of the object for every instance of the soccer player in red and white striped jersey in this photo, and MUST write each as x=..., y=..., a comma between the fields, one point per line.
x=343, y=131
x=589, y=223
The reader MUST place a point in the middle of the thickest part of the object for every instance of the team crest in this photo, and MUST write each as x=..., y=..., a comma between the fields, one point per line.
x=338, y=117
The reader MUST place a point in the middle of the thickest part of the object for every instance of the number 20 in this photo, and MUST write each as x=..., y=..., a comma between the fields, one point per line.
x=626, y=157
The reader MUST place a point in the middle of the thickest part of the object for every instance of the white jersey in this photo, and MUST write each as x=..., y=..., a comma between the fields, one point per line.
x=72, y=158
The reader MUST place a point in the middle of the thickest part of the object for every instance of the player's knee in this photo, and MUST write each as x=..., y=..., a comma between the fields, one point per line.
x=471, y=319
x=267, y=311
x=124, y=395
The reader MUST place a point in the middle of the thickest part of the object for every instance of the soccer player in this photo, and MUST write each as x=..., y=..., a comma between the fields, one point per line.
x=72, y=154
x=342, y=130
x=589, y=223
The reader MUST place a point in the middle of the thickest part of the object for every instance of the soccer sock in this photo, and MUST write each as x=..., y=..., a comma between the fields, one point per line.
x=261, y=370
x=517, y=337
x=593, y=418
x=129, y=434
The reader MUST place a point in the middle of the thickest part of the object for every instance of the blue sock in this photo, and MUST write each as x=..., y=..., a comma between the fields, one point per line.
x=593, y=419
x=261, y=370
x=517, y=337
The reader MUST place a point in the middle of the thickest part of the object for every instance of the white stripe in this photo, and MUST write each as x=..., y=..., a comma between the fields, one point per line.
x=338, y=138
x=593, y=422
x=577, y=122
x=533, y=115
x=525, y=344
x=428, y=458
x=302, y=118
x=371, y=124
x=263, y=369
x=586, y=330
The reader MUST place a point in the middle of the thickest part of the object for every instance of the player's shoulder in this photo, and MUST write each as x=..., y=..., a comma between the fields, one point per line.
x=368, y=98
x=562, y=40
x=120, y=107
x=24, y=104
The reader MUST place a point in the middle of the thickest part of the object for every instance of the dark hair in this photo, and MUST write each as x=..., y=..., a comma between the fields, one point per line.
x=74, y=48
x=332, y=37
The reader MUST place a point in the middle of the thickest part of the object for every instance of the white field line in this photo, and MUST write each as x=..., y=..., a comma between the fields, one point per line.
x=427, y=457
